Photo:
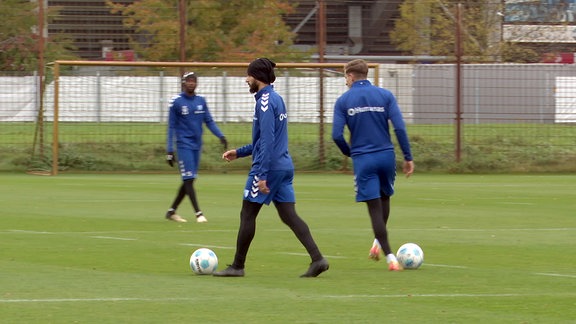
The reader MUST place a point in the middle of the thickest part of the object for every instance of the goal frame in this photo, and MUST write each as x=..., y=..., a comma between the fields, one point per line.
x=59, y=63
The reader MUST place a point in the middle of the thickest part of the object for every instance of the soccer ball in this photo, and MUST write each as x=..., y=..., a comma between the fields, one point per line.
x=410, y=256
x=203, y=261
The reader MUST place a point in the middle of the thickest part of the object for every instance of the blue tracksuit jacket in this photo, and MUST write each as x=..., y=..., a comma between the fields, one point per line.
x=367, y=111
x=269, y=147
x=185, y=118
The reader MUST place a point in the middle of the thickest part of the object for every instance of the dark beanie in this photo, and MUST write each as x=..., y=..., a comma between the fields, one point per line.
x=262, y=69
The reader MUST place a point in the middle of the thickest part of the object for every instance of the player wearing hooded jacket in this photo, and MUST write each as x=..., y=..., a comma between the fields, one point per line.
x=269, y=146
x=187, y=114
x=367, y=110
x=272, y=172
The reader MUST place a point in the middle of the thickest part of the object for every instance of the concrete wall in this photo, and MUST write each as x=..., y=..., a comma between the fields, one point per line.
x=491, y=93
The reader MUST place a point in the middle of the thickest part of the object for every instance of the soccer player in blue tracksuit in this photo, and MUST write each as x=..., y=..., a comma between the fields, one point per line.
x=272, y=172
x=187, y=114
x=367, y=110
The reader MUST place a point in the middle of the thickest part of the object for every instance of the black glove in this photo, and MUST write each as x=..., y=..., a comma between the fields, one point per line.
x=170, y=158
x=224, y=142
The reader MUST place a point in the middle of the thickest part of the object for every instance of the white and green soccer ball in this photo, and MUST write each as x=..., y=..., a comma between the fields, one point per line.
x=410, y=256
x=203, y=261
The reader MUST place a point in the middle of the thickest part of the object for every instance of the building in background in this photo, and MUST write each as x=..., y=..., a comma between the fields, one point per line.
x=549, y=26
x=352, y=27
x=358, y=27
x=95, y=31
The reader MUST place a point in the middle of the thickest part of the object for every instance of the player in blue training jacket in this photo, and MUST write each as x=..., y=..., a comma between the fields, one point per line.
x=187, y=114
x=272, y=172
x=367, y=110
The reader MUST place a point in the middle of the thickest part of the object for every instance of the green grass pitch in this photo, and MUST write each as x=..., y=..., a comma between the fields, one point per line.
x=96, y=249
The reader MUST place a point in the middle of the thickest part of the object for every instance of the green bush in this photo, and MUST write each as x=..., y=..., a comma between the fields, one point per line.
x=140, y=148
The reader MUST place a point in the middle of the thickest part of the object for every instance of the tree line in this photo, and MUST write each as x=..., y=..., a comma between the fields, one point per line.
x=239, y=30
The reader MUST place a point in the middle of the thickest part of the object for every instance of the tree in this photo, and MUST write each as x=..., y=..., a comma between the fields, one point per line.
x=19, y=38
x=17, y=41
x=428, y=27
x=217, y=30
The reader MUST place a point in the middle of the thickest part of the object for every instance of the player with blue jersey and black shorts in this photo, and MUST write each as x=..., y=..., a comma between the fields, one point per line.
x=188, y=112
x=272, y=172
x=367, y=111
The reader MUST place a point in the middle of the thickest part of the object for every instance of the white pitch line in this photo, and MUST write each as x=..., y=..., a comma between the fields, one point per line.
x=108, y=200
x=326, y=229
x=554, y=275
x=437, y=199
x=114, y=238
x=121, y=299
x=64, y=300
x=444, y=266
x=345, y=257
x=514, y=203
x=208, y=246
x=441, y=295
x=306, y=254
x=480, y=230
x=29, y=232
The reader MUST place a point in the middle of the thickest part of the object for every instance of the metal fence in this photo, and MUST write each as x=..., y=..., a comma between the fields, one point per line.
x=511, y=114
x=496, y=93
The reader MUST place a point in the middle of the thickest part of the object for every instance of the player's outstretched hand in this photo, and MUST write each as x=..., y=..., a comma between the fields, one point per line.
x=229, y=155
x=224, y=142
x=170, y=158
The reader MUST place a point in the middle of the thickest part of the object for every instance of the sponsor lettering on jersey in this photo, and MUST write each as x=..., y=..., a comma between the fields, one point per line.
x=359, y=110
